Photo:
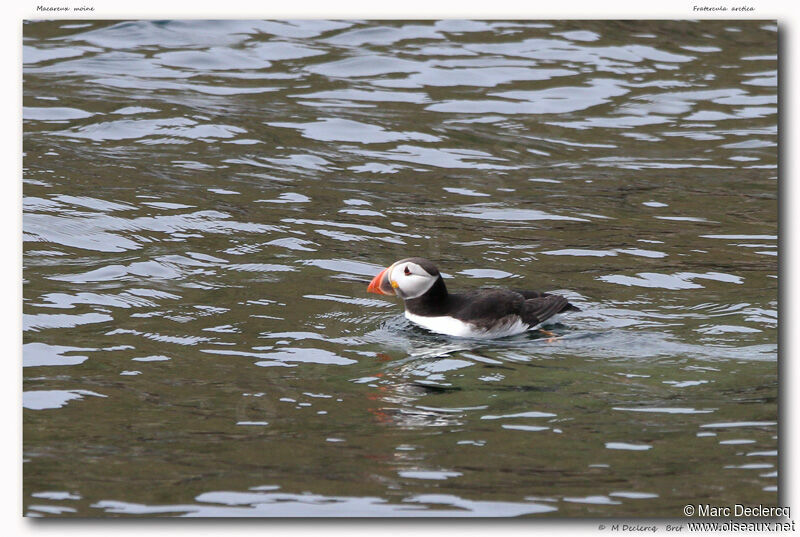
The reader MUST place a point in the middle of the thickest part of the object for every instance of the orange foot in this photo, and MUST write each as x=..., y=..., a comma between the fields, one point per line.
x=551, y=336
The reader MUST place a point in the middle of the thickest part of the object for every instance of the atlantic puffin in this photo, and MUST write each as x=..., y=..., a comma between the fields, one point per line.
x=481, y=313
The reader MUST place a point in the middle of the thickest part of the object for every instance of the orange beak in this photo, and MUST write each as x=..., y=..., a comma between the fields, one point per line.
x=380, y=284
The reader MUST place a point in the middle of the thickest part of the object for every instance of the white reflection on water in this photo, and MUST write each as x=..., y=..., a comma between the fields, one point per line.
x=288, y=355
x=41, y=354
x=670, y=410
x=280, y=504
x=343, y=130
x=48, y=399
x=681, y=280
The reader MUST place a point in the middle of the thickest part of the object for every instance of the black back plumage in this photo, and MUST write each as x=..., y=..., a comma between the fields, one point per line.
x=486, y=307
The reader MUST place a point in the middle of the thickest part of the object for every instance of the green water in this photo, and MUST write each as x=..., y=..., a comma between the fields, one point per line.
x=206, y=201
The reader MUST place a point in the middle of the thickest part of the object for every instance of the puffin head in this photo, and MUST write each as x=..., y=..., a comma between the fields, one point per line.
x=407, y=278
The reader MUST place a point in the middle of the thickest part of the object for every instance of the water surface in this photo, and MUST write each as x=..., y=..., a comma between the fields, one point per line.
x=205, y=202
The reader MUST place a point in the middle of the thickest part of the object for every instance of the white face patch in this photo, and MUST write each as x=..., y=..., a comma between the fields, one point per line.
x=410, y=280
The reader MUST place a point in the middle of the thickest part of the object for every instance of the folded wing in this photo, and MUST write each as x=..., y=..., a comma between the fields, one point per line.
x=538, y=310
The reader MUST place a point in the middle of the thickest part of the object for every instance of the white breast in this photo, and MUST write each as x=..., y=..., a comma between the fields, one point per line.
x=453, y=327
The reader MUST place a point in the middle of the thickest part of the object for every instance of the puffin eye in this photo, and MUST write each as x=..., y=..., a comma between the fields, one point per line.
x=406, y=271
